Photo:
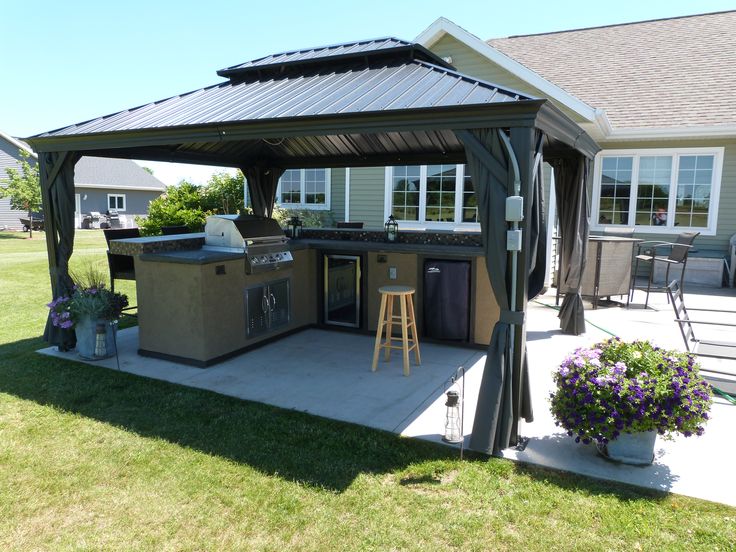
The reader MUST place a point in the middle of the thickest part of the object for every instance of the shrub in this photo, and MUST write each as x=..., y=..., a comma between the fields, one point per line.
x=178, y=205
x=616, y=387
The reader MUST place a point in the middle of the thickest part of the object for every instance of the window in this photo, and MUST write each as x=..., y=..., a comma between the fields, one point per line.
x=431, y=194
x=661, y=190
x=304, y=189
x=116, y=201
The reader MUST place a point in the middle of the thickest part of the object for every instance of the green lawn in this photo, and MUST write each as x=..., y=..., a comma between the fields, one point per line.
x=97, y=460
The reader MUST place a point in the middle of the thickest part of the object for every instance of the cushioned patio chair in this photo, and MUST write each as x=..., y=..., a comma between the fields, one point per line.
x=648, y=252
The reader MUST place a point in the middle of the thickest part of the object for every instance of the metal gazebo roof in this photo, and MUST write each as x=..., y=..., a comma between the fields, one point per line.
x=383, y=101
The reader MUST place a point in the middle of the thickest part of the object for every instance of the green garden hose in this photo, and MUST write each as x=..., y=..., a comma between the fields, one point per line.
x=727, y=396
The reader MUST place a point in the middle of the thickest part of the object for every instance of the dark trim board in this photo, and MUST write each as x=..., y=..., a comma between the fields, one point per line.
x=211, y=362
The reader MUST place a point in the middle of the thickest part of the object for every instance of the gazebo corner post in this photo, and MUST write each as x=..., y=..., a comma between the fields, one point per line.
x=525, y=143
x=56, y=172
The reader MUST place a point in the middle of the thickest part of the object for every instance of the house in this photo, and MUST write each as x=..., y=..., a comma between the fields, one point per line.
x=100, y=185
x=656, y=95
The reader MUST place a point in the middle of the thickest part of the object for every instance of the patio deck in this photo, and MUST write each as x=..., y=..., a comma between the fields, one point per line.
x=327, y=373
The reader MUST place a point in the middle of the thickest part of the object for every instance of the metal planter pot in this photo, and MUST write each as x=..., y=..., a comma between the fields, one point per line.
x=95, y=338
x=631, y=448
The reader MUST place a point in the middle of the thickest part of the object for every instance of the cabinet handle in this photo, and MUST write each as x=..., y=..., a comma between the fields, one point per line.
x=273, y=302
x=264, y=304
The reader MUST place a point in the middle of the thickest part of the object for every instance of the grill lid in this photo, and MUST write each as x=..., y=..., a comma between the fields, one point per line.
x=238, y=231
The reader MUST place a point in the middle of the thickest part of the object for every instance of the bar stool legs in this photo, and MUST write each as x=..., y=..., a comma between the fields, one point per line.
x=386, y=319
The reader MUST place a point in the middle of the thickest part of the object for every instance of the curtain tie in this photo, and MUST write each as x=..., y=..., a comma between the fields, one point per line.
x=512, y=317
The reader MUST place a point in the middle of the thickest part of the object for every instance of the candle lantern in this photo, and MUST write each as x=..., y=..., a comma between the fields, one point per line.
x=453, y=422
x=100, y=340
x=295, y=225
x=392, y=229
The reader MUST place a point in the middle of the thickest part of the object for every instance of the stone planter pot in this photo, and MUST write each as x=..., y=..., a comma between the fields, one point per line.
x=89, y=346
x=631, y=448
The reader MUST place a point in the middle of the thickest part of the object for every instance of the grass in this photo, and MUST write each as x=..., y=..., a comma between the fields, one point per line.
x=92, y=459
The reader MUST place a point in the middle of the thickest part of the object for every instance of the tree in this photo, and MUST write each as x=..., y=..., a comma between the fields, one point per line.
x=24, y=188
x=224, y=193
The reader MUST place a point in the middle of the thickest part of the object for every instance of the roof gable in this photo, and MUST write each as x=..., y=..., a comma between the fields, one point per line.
x=106, y=172
x=671, y=73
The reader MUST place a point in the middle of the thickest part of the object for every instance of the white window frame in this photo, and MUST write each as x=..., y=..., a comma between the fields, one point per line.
x=125, y=203
x=422, y=223
x=303, y=194
x=675, y=153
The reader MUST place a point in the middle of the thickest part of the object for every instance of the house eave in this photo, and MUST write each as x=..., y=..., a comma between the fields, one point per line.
x=672, y=133
x=120, y=188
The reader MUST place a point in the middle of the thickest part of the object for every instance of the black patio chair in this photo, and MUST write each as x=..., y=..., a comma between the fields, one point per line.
x=701, y=347
x=121, y=266
x=648, y=252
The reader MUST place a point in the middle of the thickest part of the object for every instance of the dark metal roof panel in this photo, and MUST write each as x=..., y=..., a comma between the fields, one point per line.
x=332, y=54
x=349, y=89
x=323, y=52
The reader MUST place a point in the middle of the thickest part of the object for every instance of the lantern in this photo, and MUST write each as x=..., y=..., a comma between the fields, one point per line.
x=453, y=421
x=100, y=340
x=392, y=229
x=296, y=227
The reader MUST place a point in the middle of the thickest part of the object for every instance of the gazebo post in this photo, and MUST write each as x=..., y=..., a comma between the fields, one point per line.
x=523, y=144
x=56, y=170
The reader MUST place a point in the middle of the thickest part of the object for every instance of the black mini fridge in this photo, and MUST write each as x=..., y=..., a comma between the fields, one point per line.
x=447, y=300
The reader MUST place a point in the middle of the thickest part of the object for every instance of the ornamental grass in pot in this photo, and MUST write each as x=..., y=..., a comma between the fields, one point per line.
x=92, y=311
x=621, y=395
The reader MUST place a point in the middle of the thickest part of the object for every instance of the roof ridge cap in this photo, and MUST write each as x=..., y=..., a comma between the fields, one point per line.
x=626, y=24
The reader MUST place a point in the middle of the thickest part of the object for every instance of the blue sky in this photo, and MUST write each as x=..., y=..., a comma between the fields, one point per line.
x=65, y=62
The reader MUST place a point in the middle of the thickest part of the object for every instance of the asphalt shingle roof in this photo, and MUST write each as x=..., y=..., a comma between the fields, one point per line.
x=666, y=73
x=121, y=173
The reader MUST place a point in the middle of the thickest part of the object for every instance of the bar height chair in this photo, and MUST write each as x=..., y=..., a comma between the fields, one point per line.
x=648, y=253
x=406, y=319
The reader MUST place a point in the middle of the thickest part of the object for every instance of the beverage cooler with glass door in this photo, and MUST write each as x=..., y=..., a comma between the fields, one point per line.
x=342, y=290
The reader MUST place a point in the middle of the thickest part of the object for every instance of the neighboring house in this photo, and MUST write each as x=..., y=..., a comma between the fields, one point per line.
x=658, y=96
x=100, y=184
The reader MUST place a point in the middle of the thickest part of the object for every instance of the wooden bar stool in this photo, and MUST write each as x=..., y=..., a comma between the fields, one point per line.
x=406, y=319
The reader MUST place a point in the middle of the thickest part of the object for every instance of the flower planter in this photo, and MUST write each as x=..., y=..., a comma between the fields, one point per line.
x=630, y=448
x=88, y=345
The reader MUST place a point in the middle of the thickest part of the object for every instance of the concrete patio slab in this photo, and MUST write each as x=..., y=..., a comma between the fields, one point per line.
x=327, y=373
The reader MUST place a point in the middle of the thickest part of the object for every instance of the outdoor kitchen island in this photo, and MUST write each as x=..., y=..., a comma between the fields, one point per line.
x=200, y=305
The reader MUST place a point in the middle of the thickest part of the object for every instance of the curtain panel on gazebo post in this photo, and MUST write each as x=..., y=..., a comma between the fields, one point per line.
x=499, y=402
x=262, y=185
x=57, y=195
x=571, y=181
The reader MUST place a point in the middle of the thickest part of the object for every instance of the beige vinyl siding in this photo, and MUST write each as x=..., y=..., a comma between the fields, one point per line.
x=474, y=64
x=704, y=245
x=337, y=194
x=367, y=191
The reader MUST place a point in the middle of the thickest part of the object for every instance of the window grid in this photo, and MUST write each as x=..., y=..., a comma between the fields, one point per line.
x=405, y=191
x=694, y=178
x=306, y=188
x=433, y=194
x=668, y=189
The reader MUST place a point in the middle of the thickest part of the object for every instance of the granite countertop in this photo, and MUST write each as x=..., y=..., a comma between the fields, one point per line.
x=350, y=245
x=192, y=256
x=187, y=248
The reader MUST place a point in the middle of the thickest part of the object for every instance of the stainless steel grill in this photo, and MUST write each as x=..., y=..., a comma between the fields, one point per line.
x=261, y=239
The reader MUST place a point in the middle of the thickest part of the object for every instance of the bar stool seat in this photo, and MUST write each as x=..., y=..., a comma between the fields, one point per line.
x=406, y=318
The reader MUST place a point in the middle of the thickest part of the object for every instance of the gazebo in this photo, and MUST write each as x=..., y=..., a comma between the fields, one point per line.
x=371, y=103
